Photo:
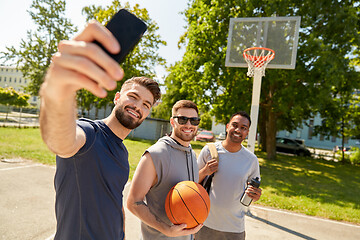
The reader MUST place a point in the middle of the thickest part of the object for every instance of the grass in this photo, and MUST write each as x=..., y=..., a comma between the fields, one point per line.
x=311, y=186
x=136, y=148
x=24, y=143
x=305, y=185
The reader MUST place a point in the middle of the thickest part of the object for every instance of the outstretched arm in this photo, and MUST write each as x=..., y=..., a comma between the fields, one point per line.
x=144, y=178
x=78, y=64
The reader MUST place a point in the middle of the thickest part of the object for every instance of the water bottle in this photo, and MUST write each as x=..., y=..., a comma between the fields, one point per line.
x=245, y=199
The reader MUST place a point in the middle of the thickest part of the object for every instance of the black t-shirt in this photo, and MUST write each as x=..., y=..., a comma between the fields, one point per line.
x=89, y=186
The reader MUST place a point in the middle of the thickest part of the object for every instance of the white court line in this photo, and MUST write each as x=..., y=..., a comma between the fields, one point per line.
x=19, y=167
x=305, y=216
x=51, y=237
x=27, y=166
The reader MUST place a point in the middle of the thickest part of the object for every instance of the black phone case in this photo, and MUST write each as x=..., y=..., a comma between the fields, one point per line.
x=128, y=30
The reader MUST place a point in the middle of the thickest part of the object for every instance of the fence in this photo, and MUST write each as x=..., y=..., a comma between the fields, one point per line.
x=20, y=117
x=151, y=129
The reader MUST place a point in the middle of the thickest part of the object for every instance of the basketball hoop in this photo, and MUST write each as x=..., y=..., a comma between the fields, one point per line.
x=258, y=58
x=281, y=34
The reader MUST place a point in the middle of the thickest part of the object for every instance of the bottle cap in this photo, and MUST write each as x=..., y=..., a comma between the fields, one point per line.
x=255, y=182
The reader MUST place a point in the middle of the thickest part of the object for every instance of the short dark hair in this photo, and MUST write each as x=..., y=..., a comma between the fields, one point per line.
x=148, y=83
x=184, y=104
x=243, y=114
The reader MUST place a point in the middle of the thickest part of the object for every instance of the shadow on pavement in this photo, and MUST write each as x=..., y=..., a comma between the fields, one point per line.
x=249, y=214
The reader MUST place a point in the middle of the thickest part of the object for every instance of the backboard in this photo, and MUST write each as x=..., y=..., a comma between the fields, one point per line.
x=280, y=34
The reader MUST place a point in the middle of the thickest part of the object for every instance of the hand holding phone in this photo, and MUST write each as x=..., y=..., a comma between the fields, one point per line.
x=128, y=30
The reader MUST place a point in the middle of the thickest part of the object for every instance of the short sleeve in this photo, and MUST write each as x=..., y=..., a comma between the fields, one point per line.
x=255, y=169
x=89, y=130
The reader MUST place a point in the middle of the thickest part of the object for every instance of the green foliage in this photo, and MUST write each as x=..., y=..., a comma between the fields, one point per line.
x=142, y=59
x=311, y=186
x=351, y=157
x=337, y=41
x=206, y=121
x=355, y=157
x=354, y=109
x=288, y=97
x=161, y=111
x=8, y=96
x=34, y=55
x=340, y=116
x=85, y=100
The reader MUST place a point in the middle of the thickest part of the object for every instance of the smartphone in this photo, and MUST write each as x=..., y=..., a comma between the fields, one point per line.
x=128, y=30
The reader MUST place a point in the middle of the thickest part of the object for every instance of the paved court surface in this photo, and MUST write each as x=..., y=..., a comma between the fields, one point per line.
x=27, y=211
x=27, y=201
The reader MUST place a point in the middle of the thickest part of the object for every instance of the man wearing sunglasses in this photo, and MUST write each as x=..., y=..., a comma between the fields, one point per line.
x=167, y=162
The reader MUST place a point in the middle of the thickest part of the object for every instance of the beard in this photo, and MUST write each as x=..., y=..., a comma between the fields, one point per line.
x=182, y=136
x=124, y=119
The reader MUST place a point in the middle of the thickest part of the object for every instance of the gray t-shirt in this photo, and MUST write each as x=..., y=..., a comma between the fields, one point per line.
x=229, y=182
x=173, y=163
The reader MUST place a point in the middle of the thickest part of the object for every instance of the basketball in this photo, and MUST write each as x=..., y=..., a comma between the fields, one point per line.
x=187, y=202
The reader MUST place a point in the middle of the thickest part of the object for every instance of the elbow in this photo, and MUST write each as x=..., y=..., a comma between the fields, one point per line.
x=130, y=205
x=64, y=152
x=134, y=206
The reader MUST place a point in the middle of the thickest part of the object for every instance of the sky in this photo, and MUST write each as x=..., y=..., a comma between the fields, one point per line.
x=15, y=21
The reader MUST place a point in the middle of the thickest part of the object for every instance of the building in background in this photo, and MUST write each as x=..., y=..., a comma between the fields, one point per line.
x=319, y=141
x=305, y=133
x=217, y=128
x=12, y=77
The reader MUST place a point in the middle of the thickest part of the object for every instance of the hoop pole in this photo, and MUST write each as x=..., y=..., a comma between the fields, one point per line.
x=254, y=110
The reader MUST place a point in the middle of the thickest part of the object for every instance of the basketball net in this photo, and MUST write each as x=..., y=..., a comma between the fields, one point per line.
x=258, y=58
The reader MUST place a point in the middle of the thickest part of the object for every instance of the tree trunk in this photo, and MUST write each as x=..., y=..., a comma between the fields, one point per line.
x=342, y=141
x=271, y=135
x=7, y=112
x=20, y=116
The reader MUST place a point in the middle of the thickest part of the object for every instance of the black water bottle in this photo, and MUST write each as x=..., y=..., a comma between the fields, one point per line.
x=245, y=199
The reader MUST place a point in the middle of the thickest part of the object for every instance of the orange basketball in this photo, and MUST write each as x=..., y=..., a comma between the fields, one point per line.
x=187, y=202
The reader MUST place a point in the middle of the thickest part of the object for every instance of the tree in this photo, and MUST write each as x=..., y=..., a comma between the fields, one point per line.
x=85, y=101
x=142, y=59
x=340, y=117
x=33, y=57
x=288, y=97
x=356, y=117
x=8, y=96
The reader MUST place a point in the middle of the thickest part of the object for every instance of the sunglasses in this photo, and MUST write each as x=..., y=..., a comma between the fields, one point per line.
x=183, y=120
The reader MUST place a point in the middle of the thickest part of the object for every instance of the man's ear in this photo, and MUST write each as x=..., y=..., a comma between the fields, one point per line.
x=172, y=121
x=116, y=98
